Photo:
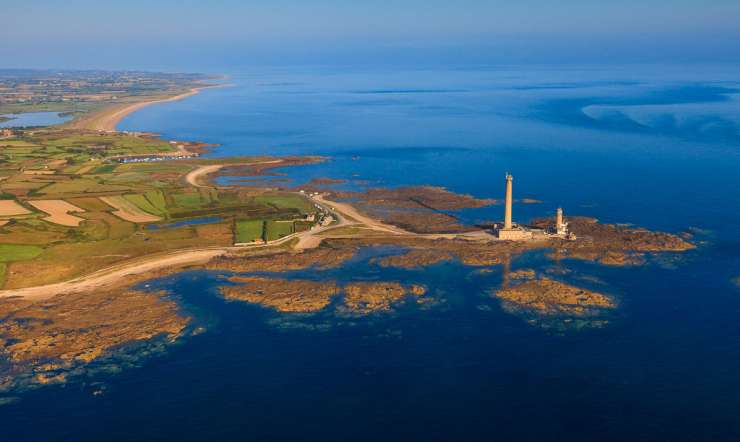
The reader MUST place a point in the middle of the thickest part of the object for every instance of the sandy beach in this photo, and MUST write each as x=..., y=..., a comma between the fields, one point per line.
x=107, y=120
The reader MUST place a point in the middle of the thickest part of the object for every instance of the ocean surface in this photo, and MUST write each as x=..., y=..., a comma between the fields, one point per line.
x=656, y=146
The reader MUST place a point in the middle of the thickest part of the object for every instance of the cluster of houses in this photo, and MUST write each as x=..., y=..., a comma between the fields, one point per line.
x=322, y=216
x=153, y=158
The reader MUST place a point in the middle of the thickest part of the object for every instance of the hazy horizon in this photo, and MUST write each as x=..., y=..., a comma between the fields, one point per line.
x=212, y=36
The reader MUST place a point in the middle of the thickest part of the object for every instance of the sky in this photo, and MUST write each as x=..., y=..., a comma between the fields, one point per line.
x=177, y=34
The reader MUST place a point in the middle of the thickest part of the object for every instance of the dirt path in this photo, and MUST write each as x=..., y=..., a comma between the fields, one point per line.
x=113, y=275
x=353, y=214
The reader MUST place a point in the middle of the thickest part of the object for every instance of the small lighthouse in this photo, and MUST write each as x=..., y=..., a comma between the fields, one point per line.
x=560, y=227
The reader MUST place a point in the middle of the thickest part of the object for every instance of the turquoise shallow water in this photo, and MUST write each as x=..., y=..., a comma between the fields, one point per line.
x=658, y=147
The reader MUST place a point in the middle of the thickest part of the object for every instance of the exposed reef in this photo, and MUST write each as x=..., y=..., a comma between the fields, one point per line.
x=430, y=197
x=522, y=274
x=41, y=342
x=419, y=220
x=429, y=251
x=283, y=295
x=304, y=296
x=545, y=296
x=550, y=303
x=613, y=244
x=368, y=297
x=323, y=181
x=321, y=257
x=415, y=258
x=261, y=168
x=418, y=209
x=608, y=244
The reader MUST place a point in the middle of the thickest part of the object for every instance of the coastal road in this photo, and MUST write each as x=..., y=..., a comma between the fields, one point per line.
x=112, y=276
x=347, y=216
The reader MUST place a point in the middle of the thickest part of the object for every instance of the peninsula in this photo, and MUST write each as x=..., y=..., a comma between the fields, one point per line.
x=86, y=213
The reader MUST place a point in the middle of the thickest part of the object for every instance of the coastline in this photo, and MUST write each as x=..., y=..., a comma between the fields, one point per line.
x=107, y=119
x=176, y=259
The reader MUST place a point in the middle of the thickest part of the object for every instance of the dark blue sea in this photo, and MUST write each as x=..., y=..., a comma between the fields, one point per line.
x=656, y=146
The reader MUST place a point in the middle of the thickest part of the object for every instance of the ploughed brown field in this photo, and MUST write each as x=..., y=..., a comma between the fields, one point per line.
x=59, y=212
x=10, y=208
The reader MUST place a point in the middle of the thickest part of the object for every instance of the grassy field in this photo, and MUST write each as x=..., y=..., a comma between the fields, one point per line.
x=248, y=230
x=278, y=229
x=191, y=199
x=76, y=186
x=157, y=200
x=108, y=168
x=143, y=203
x=18, y=252
x=285, y=200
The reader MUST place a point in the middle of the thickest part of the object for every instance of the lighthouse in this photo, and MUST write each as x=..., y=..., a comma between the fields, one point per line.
x=509, y=232
x=560, y=227
x=508, y=201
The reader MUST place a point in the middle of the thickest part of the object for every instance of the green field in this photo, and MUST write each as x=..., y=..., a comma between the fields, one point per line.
x=285, y=201
x=187, y=199
x=107, y=168
x=18, y=252
x=81, y=186
x=278, y=229
x=143, y=203
x=111, y=145
x=156, y=199
x=248, y=230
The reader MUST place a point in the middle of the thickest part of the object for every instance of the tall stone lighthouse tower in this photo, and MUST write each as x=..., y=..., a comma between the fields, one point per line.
x=559, y=226
x=509, y=232
x=508, y=201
